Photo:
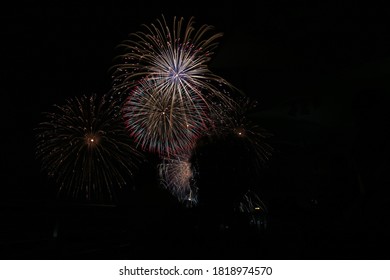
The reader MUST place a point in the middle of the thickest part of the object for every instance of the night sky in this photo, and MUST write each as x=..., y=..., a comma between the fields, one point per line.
x=319, y=73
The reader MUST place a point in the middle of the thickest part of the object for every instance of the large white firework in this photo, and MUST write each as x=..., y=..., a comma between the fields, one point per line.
x=176, y=57
x=174, y=62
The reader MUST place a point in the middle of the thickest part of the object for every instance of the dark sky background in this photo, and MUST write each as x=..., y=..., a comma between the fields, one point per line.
x=320, y=74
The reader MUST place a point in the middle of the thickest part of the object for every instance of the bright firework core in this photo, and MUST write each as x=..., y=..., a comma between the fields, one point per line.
x=91, y=139
x=176, y=74
x=240, y=132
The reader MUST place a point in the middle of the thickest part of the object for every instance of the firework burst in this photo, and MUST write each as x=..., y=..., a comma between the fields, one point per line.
x=177, y=176
x=84, y=146
x=247, y=134
x=255, y=209
x=176, y=57
x=251, y=203
x=229, y=159
x=169, y=67
x=162, y=123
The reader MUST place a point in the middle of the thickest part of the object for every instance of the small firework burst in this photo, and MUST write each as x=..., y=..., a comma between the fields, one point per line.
x=177, y=176
x=255, y=209
x=230, y=158
x=251, y=203
x=84, y=146
x=244, y=132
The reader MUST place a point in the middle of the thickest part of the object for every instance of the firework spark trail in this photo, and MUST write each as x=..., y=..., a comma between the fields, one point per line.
x=83, y=145
x=251, y=203
x=177, y=176
x=174, y=61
